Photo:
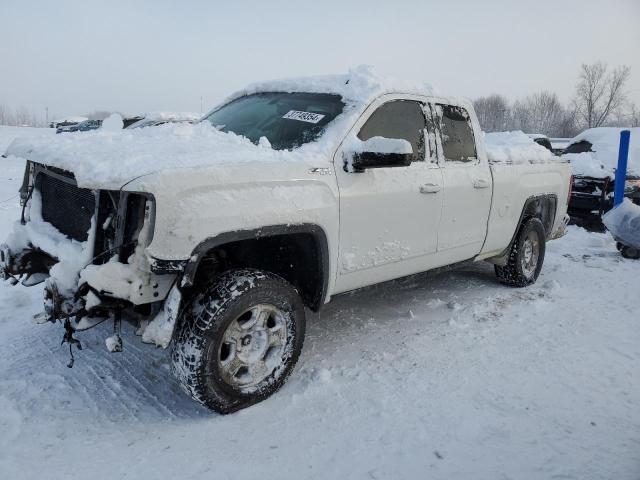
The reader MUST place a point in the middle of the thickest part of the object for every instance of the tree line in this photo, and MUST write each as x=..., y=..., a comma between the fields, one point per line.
x=600, y=100
x=22, y=116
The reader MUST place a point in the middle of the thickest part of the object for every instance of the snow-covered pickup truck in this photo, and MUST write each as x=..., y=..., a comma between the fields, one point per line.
x=216, y=237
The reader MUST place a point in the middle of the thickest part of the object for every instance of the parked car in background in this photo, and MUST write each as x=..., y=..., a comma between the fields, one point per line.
x=130, y=120
x=593, y=155
x=558, y=145
x=160, y=118
x=541, y=140
x=86, y=125
x=67, y=122
x=81, y=127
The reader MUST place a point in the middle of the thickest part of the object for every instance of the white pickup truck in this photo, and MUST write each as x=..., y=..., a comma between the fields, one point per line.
x=216, y=237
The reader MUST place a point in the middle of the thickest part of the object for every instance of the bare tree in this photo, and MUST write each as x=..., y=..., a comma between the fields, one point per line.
x=567, y=128
x=634, y=114
x=540, y=113
x=629, y=116
x=493, y=112
x=599, y=94
x=4, y=115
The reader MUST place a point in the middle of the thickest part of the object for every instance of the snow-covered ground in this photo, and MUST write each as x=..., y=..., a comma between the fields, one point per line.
x=448, y=376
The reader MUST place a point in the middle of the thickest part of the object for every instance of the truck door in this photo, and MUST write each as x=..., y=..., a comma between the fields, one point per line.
x=467, y=185
x=388, y=216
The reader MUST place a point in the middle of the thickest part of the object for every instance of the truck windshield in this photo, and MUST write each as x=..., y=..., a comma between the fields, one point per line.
x=287, y=120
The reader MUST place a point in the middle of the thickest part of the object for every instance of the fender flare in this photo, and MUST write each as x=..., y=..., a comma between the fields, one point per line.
x=191, y=266
x=548, y=222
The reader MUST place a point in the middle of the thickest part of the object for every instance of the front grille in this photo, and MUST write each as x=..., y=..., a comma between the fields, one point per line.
x=65, y=206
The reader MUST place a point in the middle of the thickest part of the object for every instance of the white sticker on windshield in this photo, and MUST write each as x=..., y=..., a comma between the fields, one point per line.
x=303, y=116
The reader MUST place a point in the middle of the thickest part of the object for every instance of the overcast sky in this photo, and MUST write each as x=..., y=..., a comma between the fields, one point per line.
x=136, y=56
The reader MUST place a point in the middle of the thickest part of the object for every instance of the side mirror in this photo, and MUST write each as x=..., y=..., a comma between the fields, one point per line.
x=379, y=152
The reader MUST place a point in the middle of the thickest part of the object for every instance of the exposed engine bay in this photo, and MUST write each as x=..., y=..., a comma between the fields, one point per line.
x=88, y=246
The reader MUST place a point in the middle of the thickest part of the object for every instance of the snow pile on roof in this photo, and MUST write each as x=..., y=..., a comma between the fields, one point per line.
x=515, y=147
x=102, y=157
x=112, y=123
x=602, y=160
x=360, y=85
x=72, y=119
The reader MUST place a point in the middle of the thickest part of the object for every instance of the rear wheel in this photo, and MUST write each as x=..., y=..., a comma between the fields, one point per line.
x=525, y=257
x=630, y=252
x=239, y=339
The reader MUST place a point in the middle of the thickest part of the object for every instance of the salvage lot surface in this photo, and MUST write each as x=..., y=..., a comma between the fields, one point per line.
x=437, y=376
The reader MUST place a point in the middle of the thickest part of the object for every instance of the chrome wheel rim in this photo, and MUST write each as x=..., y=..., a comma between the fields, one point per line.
x=253, y=346
x=530, y=254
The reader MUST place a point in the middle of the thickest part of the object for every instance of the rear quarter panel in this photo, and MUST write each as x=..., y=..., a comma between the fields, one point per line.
x=513, y=185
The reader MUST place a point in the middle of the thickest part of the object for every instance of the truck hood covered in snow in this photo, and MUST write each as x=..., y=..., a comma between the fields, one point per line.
x=110, y=159
x=104, y=159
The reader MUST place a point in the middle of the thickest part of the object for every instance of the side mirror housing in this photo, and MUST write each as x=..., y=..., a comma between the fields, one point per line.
x=379, y=152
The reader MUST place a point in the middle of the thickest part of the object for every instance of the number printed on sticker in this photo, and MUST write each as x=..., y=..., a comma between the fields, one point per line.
x=303, y=116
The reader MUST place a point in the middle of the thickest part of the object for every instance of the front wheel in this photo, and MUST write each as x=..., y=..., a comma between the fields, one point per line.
x=239, y=339
x=525, y=257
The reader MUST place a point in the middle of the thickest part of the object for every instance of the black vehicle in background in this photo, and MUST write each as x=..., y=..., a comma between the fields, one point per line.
x=592, y=195
x=541, y=140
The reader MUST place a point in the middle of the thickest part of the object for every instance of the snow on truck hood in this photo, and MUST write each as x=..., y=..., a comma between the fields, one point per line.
x=602, y=161
x=102, y=158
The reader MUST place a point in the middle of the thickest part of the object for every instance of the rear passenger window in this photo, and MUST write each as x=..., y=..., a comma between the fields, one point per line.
x=402, y=119
x=458, y=143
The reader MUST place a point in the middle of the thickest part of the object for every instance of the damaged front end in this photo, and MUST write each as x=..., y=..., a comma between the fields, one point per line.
x=88, y=246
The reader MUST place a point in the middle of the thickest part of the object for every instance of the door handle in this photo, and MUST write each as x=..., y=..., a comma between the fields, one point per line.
x=481, y=183
x=430, y=188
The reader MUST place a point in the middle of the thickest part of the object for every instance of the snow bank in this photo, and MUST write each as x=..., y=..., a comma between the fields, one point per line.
x=102, y=157
x=515, y=147
x=602, y=161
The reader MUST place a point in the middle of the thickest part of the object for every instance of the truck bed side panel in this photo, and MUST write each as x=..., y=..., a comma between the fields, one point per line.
x=513, y=185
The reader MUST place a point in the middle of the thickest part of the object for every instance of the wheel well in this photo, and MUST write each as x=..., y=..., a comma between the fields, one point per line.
x=299, y=257
x=543, y=208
